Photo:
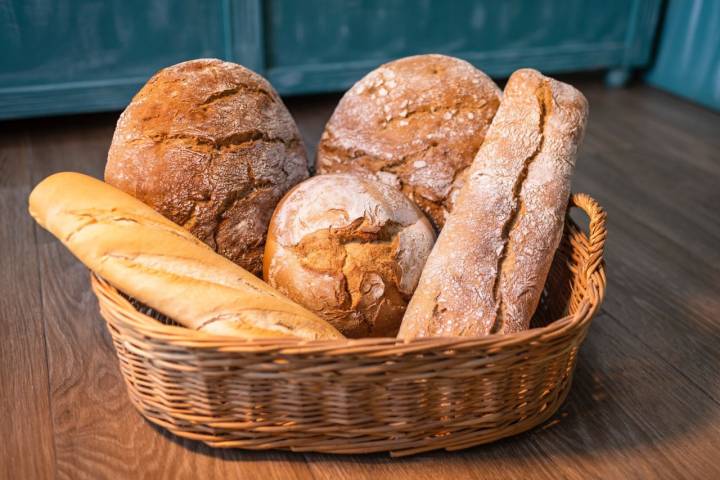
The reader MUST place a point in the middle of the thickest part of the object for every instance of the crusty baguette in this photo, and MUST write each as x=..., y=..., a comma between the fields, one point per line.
x=489, y=264
x=164, y=266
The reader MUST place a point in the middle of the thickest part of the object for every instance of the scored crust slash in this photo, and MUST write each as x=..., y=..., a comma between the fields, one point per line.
x=508, y=217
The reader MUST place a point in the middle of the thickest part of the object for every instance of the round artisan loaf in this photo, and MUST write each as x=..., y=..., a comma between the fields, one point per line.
x=415, y=123
x=210, y=145
x=350, y=249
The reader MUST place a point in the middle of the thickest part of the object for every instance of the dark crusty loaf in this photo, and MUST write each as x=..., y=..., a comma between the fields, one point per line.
x=489, y=264
x=416, y=123
x=350, y=249
x=210, y=145
x=154, y=260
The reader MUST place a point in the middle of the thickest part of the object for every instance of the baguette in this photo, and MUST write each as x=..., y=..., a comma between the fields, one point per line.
x=159, y=263
x=488, y=267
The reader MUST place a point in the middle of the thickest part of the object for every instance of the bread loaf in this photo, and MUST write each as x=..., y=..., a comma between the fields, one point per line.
x=210, y=145
x=162, y=265
x=416, y=124
x=350, y=249
x=489, y=264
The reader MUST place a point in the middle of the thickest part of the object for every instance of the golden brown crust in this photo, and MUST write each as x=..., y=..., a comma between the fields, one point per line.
x=489, y=265
x=162, y=265
x=350, y=249
x=210, y=145
x=415, y=123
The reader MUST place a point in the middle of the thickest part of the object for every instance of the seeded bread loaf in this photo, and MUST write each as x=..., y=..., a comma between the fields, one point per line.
x=162, y=265
x=415, y=124
x=210, y=145
x=489, y=264
x=350, y=249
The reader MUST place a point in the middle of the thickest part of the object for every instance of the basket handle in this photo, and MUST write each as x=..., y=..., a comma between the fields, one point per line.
x=598, y=231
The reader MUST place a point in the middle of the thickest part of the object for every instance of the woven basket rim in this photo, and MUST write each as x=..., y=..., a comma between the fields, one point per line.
x=594, y=274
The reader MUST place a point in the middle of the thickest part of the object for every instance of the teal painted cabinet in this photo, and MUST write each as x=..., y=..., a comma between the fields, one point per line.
x=62, y=56
x=688, y=56
x=343, y=40
x=69, y=56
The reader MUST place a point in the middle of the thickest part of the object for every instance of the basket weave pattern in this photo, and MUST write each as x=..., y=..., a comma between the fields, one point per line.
x=367, y=395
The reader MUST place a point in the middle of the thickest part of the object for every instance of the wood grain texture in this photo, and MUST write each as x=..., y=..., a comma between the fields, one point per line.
x=645, y=401
x=655, y=168
x=98, y=434
x=602, y=431
x=24, y=399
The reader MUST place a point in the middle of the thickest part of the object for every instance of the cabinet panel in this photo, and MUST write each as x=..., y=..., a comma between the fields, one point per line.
x=67, y=56
x=380, y=29
x=85, y=55
x=319, y=45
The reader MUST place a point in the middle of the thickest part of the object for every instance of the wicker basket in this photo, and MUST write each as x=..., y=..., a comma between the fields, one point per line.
x=368, y=395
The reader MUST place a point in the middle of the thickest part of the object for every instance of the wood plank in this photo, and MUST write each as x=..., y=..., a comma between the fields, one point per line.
x=666, y=303
x=663, y=260
x=98, y=433
x=615, y=424
x=488, y=462
x=664, y=166
x=26, y=450
x=655, y=268
x=646, y=397
x=627, y=415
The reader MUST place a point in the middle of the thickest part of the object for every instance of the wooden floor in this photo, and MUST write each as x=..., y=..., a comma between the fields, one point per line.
x=646, y=397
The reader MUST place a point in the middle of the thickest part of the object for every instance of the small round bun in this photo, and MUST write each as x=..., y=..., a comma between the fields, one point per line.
x=210, y=145
x=415, y=123
x=349, y=248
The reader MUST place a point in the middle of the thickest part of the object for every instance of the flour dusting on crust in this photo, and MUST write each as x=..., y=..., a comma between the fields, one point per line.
x=415, y=123
x=349, y=248
x=210, y=145
x=489, y=264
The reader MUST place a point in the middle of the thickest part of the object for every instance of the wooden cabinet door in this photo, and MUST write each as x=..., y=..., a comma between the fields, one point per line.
x=320, y=45
x=63, y=56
